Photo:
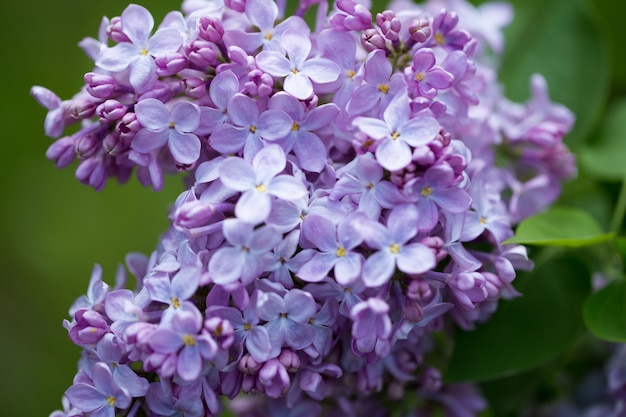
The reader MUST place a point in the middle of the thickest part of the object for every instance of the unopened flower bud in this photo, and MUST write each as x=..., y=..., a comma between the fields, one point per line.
x=100, y=85
x=211, y=29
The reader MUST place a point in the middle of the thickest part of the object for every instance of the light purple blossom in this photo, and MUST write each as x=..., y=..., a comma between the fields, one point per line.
x=299, y=72
x=137, y=55
x=173, y=127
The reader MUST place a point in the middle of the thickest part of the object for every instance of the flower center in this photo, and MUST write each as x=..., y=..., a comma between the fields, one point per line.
x=420, y=76
x=394, y=248
x=482, y=220
x=295, y=71
x=189, y=340
x=172, y=125
x=295, y=126
x=351, y=73
x=144, y=52
x=175, y=302
x=383, y=88
x=426, y=191
x=268, y=36
x=261, y=188
x=111, y=401
x=439, y=38
x=341, y=252
x=395, y=135
x=253, y=128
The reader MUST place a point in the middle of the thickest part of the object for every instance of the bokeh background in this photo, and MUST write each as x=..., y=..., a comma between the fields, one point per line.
x=53, y=229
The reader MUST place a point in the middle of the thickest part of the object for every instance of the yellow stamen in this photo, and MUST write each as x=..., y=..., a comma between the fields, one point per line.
x=395, y=135
x=295, y=71
x=261, y=188
x=394, y=248
x=383, y=88
x=269, y=36
x=341, y=252
x=175, y=302
x=351, y=73
x=420, y=76
x=253, y=128
x=247, y=326
x=295, y=126
x=482, y=220
x=172, y=125
x=439, y=39
x=189, y=340
x=426, y=191
x=144, y=52
x=111, y=400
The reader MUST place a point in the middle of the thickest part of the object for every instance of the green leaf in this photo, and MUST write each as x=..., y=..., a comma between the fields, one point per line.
x=604, y=157
x=560, y=40
x=605, y=312
x=529, y=330
x=560, y=226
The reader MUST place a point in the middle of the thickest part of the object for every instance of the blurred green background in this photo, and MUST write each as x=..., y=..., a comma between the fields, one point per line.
x=53, y=229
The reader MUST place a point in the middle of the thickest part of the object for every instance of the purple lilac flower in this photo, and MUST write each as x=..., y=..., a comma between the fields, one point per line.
x=397, y=132
x=297, y=69
x=258, y=181
x=103, y=397
x=137, y=54
x=172, y=127
x=393, y=247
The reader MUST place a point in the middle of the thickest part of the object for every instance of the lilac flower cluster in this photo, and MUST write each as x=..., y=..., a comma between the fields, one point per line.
x=350, y=190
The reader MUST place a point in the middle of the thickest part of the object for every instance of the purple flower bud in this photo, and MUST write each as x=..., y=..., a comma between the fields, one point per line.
x=274, y=377
x=111, y=110
x=86, y=146
x=259, y=83
x=114, y=145
x=194, y=87
x=170, y=63
x=89, y=327
x=128, y=127
x=211, y=29
x=289, y=359
x=62, y=152
x=115, y=31
x=201, y=53
x=82, y=109
x=372, y=39
x=92, y=172
x=236, y=5
x=356, y=17
x=419, y=30
x=100, y=85
x=248, y=365
x=221, y=330
x=389, y=24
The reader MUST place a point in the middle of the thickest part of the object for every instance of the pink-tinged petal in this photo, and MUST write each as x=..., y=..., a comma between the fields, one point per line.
x=393, y=154
x=268, y=162
x=321, y=232
x=297, y=46
x=243, y=110
x=85, y=397
x=274, y=63
x=423, y=60
x=439, y=78
x=318, y=267
x=228, y=139
x=142, y=73
x=402, y=223
x=226, y=265
x=164, y=340
x=145, y=141
x=348, y=269
x=253, y=207
x=320, y=70
x=310, y=151
x=298, y=85
x=224, y=86
x=298, y=335
x=420, y=131
x=274, y=124
x=237, y=174
x=189, y=364
x=166, y=40
x=364, y=98
x=300, y=305
x=378, y=268
x=415, y=258
x=137, y=23
x=184, y=147
x=118, y=57
x=186, y=116
x=258, y=344
x=152, y=114
x=454, y=200
x=374, y=128
x=377, y=68
x=287, y=188
x=262, y=13
x=398, y=111
x=237, y=233
x=319, y=117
